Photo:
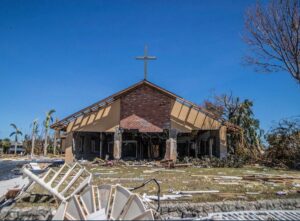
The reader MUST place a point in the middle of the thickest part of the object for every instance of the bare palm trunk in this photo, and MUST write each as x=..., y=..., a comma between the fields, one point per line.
x=56, y=135
x=16, y=145
x=32, y=145
x=55, y=143
x=46, y=142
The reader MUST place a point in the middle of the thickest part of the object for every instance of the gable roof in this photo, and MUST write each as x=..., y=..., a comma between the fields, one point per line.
x=62, y=124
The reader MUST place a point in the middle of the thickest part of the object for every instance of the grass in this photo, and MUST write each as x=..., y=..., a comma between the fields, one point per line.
x=193, y=178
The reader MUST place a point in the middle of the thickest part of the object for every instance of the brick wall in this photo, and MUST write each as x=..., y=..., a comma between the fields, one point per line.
x=145, y=109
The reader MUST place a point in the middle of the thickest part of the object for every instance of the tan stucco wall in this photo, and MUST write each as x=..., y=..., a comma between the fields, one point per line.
x=104, y=120
x=69, y=157
x=223, y=141
x=185, y=119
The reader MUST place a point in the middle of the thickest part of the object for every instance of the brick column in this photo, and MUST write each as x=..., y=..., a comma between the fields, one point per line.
x=171, y=146
x=117, y=144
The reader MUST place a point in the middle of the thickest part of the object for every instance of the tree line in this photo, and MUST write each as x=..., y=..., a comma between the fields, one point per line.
x=279, y=146
x=38, y=142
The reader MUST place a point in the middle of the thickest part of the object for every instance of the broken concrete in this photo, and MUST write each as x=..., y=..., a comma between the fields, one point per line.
x=106, y=202
x=188, y=210
x=28, y=213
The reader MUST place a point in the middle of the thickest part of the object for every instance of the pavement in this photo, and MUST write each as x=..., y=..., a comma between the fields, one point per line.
x=5, y=185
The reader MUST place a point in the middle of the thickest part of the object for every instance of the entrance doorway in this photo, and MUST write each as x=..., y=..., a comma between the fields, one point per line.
x=129, y=149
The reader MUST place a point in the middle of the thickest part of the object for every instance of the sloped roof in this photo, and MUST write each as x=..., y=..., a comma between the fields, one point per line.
x=62, y=124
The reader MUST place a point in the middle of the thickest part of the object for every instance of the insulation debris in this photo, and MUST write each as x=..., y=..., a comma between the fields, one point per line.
x=165, y=197
x=196, y=191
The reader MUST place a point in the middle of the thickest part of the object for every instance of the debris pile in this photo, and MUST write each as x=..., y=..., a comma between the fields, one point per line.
x=106, y=202
x=210, y=162
x=80, y=200
x=71, y=187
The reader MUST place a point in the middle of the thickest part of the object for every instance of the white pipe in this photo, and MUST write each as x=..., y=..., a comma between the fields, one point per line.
x=48, y=187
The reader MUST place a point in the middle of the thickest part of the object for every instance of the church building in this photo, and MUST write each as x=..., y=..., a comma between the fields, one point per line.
x=143, y=121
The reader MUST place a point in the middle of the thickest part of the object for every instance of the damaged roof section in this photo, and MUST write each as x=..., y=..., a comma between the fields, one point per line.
x=62, y=124
x=94, y=108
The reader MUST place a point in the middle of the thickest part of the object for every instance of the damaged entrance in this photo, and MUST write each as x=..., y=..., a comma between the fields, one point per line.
x=197, y=144
x=135, y=145
x=145, y=146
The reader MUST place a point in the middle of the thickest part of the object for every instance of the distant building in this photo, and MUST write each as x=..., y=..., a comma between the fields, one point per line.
x=20, y=148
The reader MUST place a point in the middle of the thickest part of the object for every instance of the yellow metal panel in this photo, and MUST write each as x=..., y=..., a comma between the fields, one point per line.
x=84, y=121
x=70, y=126
x=206, y=122
x=187, y=118
x=200, y=120
x=192, y=116
x=105, y=121
x=183, y=113
x=99, y=114
x=211, y=123
x=92, y=118
x=176, y=109
x=78, y=120
x=106, y=111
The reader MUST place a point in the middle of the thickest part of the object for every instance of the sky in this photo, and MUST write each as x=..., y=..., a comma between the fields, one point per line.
x=67, y=55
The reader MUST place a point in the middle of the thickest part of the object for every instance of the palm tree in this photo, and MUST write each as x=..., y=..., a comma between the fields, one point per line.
x=35, y=128
x=56, y=135
x=15, y=133
x=47, y=123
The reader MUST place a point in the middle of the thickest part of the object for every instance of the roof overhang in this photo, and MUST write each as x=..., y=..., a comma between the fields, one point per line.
x=62, y=124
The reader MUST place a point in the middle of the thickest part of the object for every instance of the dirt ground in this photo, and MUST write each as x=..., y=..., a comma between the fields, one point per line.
x=193, y=178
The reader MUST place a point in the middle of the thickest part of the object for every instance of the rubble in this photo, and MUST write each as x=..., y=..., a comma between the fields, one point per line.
x=32, y=213
x=84, y=201
x=165, y=197
x=198, y=210
x=275, y=215
x=196, y=191
x=209, y=162
x=65, y=183
x=106, y=202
